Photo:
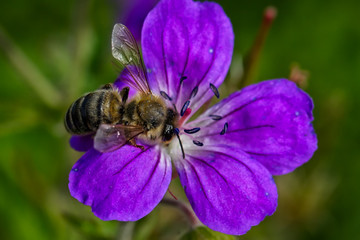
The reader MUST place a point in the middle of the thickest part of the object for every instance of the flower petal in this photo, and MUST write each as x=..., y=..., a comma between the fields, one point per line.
x=81, y=143
x=123, y=185
x=270, y=120
x=133, y=14
x=186, y=38
x=123, y=80
x=228, y=190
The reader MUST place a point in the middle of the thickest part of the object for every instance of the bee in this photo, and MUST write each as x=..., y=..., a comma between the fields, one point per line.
x=105, y=105
x=109, y=115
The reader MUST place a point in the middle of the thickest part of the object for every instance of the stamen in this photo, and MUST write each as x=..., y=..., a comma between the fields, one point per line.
x=192, y=131
x=176, y=130
x=164, y=95
x=226, y=125
x=184, y=108
x=215, y=90
x=197, y=143
x=194, y=92
x=182, y=79
x=186, y=114
x=174, y=107
x=215, y=117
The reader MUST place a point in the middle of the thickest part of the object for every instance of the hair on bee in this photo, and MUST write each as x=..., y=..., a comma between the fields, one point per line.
x=113, y=119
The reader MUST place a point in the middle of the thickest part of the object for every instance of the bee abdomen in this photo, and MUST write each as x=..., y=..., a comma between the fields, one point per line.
x=76, y=119
x=88, y=112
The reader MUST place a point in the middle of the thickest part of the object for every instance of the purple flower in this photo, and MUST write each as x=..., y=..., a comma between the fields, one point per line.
x=133, y=14
x=231, y=150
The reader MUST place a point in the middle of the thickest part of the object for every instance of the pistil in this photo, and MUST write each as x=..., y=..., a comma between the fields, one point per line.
x=184, y=116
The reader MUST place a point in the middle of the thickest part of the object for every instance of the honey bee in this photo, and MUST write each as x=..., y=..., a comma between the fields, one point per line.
x=108, y=113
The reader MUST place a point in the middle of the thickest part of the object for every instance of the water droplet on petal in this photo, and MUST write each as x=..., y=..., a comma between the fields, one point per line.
x=211, y=50
x=75, y=169
x=297, y=113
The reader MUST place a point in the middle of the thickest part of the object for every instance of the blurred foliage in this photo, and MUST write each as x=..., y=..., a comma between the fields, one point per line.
x=67, y=44
x=204, y=233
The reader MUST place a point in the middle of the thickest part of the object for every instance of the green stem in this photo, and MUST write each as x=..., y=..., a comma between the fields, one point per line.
x=31, y=74
x=183, y=208
x=127, y=231
x=252, y=59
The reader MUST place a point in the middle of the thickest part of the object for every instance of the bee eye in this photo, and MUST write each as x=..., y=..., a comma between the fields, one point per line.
x=168, y=132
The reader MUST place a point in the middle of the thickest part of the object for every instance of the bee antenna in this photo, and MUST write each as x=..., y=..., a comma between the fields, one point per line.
x=176, y=130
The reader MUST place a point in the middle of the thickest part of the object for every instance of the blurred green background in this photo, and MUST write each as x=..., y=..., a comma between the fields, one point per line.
x=53, y=51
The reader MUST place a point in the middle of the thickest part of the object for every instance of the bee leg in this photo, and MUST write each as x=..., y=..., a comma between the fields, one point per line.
x=133, y=143
x=107, y=86
x=124, y=93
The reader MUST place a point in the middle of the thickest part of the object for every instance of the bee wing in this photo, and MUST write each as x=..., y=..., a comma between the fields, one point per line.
x=111, y=137
x=125, y=50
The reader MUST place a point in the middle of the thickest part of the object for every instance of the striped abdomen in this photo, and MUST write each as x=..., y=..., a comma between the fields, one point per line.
x=89, y=111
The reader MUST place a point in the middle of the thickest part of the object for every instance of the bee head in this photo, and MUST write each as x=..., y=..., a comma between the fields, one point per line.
x=168, y=132
x=169, y=128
